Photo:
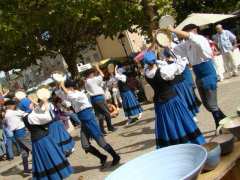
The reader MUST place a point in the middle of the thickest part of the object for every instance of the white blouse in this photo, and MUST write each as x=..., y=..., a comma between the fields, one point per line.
x=79, y=100
x=40, y=118
x=168, y=71
x=121, y=77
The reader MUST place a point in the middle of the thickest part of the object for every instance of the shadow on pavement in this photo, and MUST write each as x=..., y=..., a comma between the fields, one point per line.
x=110, y=168
x=136, y=132
x=139, y=146
x=121, y=123
x=80, y=169
x=76, y=138
x=13, y=171
x=140, y=122
x=149, y=109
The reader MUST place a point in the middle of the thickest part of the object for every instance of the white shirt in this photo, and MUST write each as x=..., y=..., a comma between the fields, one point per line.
x=197, y=49
x=59, y=93
x=94, y=86
x=112, y=82
x=37, y=118
x=168, y=71
x=79, y=100
x=121, y=77
x=13, y=119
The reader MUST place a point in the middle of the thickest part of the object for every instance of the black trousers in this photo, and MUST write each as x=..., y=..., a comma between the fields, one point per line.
x=102, y=113
x=85, y=139
x=208, y=97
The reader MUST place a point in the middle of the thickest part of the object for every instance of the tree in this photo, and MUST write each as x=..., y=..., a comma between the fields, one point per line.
x=186, y=7
x=31, y=28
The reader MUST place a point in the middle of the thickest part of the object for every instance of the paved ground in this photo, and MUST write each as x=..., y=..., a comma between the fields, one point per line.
x=132, y=141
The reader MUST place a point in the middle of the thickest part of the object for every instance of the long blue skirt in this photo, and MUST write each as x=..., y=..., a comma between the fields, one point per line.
x=48, y=161
x=186, y=95
x=59, y=134
x=175, y=125
x=130, y=104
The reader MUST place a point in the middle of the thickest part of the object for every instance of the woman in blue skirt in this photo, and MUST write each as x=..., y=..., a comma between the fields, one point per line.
x=181, y=85
x=57, y=131
x=132, y=108
x=174, y=122
x=48, y=160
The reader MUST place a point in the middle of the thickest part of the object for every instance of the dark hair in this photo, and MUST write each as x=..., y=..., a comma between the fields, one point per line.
x=190, y=27
x=10, y=103
x=70, y=83
x=89, y=71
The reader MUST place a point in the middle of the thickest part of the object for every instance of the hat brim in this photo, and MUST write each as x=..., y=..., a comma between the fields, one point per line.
x=20, y=95
x=43, y=94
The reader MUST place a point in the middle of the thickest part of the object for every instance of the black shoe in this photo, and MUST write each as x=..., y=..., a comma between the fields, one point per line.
x=103, y=160
x=115, y=156
x=116, y=160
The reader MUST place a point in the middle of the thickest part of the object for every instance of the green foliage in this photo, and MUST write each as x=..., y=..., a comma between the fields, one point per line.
x=70, y=25
x=186, y=7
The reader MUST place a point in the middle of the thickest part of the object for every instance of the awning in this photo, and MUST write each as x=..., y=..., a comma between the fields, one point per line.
x=201, y=19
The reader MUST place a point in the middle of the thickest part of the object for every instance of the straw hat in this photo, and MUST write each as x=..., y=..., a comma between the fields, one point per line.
x=166, y=21
x=43, y=93
x=58, y=76
x=110, y=68
x=163, y=38
x=20, y=95
x=33, y=97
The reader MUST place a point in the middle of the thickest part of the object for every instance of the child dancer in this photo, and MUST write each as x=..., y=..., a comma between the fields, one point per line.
x=14, y=122
x=131, y=106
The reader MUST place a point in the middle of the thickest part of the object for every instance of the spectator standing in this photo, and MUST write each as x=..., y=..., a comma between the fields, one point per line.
x=226, y=42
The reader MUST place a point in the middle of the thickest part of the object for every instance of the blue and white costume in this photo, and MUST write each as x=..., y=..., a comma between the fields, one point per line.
x=174, y=123
x=89, y=126
x=48, y=160
x=59, y=134
x=131, y=106
x=199, y=53
x=181, y=85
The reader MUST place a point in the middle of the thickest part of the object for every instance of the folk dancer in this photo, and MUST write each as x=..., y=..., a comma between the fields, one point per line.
x=131, y=106
x=174, y=123
x=93, y=85
x=180, y=84
x=14, y=122
x=198, y=51
x=89, y=125
x=48, y=160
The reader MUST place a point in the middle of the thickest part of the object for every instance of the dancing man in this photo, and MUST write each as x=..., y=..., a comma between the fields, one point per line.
x=89, y=125
x=93, y=85
x=199, y=53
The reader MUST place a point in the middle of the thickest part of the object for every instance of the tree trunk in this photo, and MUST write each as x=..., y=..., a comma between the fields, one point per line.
x=72, y=65
x=151, y=15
